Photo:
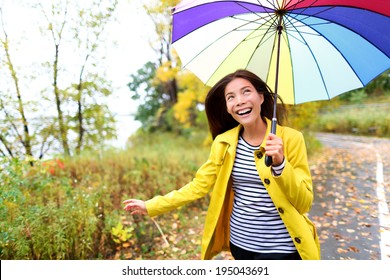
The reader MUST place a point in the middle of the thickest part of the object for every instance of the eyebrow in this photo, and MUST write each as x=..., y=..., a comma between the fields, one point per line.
x=241, y=89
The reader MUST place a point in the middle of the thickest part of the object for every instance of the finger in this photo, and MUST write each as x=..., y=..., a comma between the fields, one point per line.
x=271, y=135
x=127, y=201
x=127, y=207
x=138, y=212
x=131, y=205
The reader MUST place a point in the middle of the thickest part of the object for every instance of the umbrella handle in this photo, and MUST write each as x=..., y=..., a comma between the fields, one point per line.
x=268, y=159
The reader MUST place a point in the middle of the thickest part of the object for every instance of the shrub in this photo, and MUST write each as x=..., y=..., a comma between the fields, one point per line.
x=45, y=217
x=360, y=119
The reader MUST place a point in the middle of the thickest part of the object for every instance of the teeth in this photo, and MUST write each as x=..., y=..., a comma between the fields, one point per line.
x=245, y=111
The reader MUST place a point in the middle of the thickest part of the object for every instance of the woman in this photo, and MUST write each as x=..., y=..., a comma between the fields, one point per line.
x=255, y=211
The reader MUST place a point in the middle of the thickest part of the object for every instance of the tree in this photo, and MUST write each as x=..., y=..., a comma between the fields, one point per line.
x=15, y=124
x=171, y=96
x=74, y=35
x=141, y=86
x=379, y=84
x=86, y=26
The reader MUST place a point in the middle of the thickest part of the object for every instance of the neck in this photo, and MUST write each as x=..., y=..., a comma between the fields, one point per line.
x=254, y=134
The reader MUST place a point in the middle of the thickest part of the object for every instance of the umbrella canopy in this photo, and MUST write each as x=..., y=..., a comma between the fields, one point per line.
x=324, y=47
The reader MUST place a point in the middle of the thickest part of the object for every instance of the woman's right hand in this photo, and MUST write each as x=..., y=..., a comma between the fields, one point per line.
x=135, y=206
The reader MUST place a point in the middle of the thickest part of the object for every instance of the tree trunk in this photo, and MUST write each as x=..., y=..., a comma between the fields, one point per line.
x=26, y=138
x=80, y=116
x=6, y=145
x=62, y=127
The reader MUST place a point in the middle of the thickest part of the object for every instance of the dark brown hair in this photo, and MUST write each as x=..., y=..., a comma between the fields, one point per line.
x=217, y=115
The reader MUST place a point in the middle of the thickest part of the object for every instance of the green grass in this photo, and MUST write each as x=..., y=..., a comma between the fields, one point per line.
x=369, y=117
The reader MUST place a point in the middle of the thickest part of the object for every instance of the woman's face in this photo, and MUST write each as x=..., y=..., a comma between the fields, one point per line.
x=243, y=101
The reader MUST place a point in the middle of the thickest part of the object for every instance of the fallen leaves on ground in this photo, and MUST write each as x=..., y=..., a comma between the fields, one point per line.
x=345, y=204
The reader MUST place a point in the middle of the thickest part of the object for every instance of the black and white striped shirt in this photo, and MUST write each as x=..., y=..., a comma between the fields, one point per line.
x=255, y=224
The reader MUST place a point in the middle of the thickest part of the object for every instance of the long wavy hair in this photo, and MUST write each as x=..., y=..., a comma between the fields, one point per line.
x=217, y=115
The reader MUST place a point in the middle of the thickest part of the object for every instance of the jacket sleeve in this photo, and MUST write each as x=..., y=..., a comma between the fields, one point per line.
x=295, y=181
x=201, y=185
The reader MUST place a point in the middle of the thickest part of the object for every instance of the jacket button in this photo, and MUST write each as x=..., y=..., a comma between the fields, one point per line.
x=267, y=181
x=281, y=211
x=298, y=240
x=259, y=154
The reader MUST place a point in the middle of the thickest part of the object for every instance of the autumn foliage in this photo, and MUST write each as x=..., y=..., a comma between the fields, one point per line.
x=53, y=166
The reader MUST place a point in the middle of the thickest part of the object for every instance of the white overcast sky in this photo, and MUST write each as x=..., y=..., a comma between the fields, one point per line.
x=132, y=34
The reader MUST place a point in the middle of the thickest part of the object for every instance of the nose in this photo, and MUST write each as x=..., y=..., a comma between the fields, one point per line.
x=240, y=99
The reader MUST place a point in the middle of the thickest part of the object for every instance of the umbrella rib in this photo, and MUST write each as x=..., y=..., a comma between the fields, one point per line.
x=303, y=25
x=309, y=16
x=316, y=62
x=250, y=21
x=272, y=3
x=303, y=32
x=292, y=7
x=257, y=14
x=272, y=22
x=264, y=38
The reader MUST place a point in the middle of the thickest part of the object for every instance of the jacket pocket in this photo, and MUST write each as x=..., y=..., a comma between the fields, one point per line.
x=311, y=227
x=219, y=153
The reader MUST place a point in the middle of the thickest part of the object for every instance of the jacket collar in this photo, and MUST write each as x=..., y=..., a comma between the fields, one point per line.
x=231, y=136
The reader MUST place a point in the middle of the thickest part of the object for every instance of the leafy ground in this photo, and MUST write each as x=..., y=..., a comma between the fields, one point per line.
x=346, y=201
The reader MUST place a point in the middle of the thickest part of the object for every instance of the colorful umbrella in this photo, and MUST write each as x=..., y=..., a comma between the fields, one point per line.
x=327, y=46
x=318, y=49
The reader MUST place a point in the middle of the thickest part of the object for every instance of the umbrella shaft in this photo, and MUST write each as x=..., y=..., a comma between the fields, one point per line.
x=268, y=159
x=280, y=29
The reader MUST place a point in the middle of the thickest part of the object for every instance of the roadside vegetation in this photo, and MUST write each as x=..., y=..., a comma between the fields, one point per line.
x=360, y=115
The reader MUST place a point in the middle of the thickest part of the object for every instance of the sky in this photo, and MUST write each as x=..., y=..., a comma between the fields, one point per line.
x=130, y=52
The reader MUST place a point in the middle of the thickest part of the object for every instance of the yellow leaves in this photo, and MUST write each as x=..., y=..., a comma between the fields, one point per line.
x=191, y=93
x=166, y=72
x=169, y=3
x=182, y=109
x=188, y=81
x=121, y=234
x=349, y=249
x=175, y=216
x=341, y=251
x=353, y=249
x=161, y=6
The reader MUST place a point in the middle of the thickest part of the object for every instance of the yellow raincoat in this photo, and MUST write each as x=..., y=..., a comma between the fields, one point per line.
x=291, y=192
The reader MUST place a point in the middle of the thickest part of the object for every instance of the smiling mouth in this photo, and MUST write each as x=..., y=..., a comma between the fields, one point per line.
x=244, y=112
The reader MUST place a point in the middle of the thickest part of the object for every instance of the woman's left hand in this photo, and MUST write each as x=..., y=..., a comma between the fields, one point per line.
x=274, y=149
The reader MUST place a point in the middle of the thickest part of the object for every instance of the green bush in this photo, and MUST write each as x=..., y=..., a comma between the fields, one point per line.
x=362, y=120
x=46, y=217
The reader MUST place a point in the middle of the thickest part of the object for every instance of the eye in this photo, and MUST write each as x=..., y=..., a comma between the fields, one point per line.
x=229, y=97
x=246, y=91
